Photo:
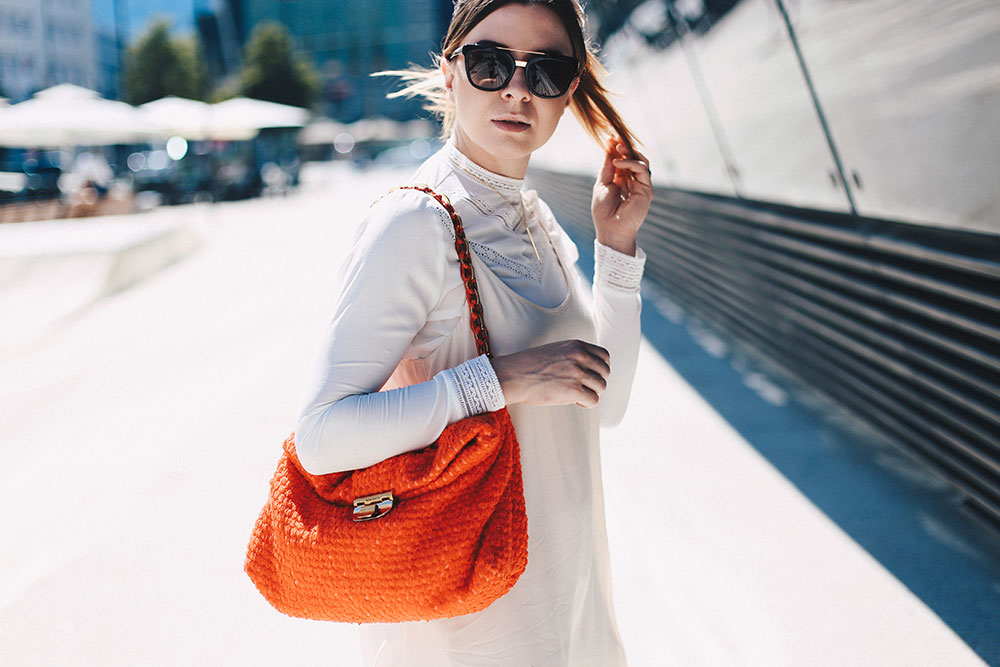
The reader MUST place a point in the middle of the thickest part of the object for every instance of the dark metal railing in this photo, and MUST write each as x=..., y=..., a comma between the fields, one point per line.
x=899, y=323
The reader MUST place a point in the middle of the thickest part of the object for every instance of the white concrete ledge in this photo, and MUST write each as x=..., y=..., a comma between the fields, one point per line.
x=51, y=270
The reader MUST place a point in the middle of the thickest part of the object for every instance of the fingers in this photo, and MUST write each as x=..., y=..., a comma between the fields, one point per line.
x=561, y=373
x=594, y=385
x=622, y=152
x=638, y=166
x=624, y=173
x=608, y=168
x=588, y=392
x=589, y=378
x=594, y=357
x=614, y=151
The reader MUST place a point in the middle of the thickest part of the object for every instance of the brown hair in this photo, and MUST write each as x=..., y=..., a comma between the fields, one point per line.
x=590, y=103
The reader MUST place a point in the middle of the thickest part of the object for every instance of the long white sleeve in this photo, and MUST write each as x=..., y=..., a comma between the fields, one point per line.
x=617, y=306
x=394, y=277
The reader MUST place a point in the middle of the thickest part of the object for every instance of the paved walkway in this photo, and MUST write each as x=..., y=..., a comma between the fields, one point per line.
x=138, y=436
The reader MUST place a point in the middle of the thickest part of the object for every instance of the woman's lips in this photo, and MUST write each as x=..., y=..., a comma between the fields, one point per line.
x=511, y=125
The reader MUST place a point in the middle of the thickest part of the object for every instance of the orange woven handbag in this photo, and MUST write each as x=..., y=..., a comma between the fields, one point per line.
x=428, y=534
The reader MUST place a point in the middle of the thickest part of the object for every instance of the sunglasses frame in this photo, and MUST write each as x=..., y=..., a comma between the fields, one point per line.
x=536, y=56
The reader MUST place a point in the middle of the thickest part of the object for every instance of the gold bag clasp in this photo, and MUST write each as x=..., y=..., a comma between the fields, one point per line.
x=371, y=507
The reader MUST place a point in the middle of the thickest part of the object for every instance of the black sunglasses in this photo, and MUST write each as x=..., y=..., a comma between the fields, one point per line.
x=492, y=67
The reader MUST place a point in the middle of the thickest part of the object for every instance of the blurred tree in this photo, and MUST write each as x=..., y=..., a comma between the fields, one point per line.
x=273, y=72
x=160, y=65
x=224, y=90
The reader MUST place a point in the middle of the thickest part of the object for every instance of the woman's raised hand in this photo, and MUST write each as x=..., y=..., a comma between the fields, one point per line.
x=622, y=195
x=562, y=373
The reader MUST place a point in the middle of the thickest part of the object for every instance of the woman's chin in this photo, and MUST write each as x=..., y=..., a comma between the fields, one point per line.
x=514, y=146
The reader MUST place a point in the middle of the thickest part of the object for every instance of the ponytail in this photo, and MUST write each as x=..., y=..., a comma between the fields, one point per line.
x=594, y=110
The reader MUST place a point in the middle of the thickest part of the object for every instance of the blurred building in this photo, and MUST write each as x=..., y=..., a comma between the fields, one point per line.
x=44, y=43
x=346, y=41
x=216, y=24
x=107, y=56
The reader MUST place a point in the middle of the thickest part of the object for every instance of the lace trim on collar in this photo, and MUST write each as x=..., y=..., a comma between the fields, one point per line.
x=509, y=187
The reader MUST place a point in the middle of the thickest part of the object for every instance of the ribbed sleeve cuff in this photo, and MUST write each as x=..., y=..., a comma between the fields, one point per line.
x=478, y=386
x=618, y=269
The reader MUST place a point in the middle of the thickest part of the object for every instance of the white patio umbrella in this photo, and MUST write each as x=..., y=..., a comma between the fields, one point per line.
x=377, y=128
x=321, y=131
x=243, y=117
x=68, y=115
x=176, y=116
x=326, y=131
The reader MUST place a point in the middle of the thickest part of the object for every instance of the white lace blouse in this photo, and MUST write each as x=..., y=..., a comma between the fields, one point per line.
x=402, y=296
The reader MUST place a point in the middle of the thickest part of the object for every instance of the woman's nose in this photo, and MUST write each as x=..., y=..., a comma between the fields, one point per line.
x=518, y=85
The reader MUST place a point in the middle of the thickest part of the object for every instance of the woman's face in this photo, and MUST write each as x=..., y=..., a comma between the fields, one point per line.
x=499, y=129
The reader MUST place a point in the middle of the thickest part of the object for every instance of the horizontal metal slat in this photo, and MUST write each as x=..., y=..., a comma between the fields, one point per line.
x=878, y=328
x=829, y=281
x=867, y=234
x=865, y=267
x=868, y=344
x=947, y=404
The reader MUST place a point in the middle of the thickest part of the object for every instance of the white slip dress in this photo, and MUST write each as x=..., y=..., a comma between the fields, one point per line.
x=560, y=612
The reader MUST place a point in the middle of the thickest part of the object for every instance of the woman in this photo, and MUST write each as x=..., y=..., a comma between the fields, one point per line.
x=399, y=363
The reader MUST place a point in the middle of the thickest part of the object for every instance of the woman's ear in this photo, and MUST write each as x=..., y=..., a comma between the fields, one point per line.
x=572, y=90
x=449, y=74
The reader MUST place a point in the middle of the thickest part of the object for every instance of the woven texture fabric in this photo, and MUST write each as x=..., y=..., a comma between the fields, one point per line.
x=455, y=540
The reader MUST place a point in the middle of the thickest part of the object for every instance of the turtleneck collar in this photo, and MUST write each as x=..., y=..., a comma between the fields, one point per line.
x=508, y=187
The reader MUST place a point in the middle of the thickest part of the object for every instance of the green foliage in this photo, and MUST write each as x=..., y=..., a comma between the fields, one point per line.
x=273, y=72
x=159, y=65
x=224, y=90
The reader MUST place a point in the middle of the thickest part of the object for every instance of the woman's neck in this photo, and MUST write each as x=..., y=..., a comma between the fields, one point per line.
x=515, y=168
x=508, y=187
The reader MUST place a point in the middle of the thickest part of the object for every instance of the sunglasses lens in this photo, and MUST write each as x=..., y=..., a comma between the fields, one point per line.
x=488, y=69
x=548, y=77
x=491, y=68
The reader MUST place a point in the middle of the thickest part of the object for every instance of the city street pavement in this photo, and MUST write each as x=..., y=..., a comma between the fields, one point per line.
x=138, y=436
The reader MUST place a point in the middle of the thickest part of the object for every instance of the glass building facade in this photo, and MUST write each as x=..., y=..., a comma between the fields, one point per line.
x=44, y=43
x=347, y=40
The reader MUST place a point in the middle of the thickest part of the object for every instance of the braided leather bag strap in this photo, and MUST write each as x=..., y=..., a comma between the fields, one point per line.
x=468, y=274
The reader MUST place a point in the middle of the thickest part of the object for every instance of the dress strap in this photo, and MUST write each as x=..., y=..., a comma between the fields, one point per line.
x=476, y=319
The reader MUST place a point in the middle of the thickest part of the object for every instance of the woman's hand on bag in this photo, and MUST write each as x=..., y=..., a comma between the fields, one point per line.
x=563, y=373
x=622, y=195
